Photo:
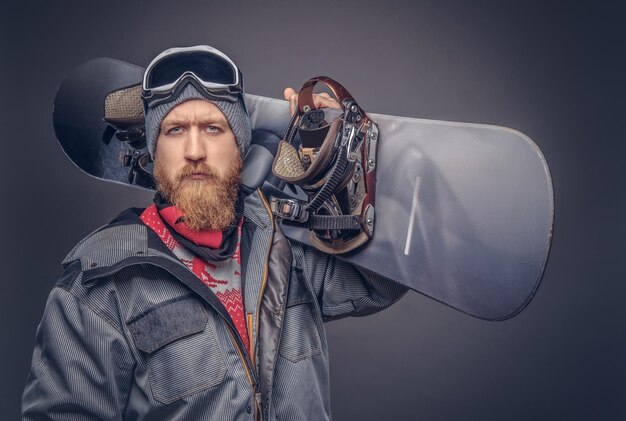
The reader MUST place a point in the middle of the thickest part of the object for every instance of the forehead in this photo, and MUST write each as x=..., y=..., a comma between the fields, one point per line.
x=195, y=110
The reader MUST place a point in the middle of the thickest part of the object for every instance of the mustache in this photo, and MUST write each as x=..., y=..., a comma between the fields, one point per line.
x=196, y=169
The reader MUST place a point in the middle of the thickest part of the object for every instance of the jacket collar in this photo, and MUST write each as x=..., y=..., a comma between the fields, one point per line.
x=127, y=239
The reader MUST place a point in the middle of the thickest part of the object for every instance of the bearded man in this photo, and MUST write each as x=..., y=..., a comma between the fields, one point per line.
x=196, y=307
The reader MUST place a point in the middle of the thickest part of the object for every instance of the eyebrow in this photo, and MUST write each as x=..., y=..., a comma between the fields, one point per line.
x=201, y=121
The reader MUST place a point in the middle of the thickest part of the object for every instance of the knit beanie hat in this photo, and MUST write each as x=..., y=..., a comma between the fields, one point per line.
x=235, y=113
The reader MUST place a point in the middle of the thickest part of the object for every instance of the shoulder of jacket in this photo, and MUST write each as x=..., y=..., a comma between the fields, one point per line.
x=110, y=244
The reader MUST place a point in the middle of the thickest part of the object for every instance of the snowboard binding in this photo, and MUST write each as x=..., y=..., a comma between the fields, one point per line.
x=335, y=165
x=123, y=111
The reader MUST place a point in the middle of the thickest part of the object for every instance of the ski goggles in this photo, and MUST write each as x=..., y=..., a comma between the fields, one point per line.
x=212, y=72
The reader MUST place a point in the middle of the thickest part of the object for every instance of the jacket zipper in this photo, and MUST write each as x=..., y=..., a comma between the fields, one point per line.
x=251, y=379
x=258, y=402
x=257, y=394
x=266, y=268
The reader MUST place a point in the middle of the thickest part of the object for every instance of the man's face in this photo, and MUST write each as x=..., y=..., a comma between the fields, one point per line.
x=198, y=164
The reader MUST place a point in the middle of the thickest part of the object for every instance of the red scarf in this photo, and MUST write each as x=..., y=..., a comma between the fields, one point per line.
x=206, y=238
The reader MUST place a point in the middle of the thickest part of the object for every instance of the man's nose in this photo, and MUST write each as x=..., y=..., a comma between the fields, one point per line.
x=195, y=149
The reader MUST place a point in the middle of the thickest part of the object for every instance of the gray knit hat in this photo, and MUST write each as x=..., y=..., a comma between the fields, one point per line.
x=235, y=113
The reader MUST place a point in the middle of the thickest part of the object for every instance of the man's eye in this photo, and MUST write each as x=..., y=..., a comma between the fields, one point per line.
x=175, y=130
x=212, y=129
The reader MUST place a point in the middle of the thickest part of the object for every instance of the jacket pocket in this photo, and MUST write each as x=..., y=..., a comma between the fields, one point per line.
x=300, y=336
x=181, y=350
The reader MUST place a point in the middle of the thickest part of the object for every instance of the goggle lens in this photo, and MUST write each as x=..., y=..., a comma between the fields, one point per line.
x=208, y=67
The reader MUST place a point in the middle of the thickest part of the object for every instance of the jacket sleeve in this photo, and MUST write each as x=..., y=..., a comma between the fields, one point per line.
x=343, y=289
x=81, y=367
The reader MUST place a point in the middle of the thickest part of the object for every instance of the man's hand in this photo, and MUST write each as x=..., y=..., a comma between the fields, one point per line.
x=321, y=100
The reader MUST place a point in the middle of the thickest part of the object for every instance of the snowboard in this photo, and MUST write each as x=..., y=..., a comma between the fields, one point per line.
x=463, y=212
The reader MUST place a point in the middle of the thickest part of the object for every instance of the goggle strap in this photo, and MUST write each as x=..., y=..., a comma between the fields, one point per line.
x=152, y=99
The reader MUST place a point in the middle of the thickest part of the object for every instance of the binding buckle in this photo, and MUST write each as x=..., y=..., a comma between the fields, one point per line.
x=289, y=209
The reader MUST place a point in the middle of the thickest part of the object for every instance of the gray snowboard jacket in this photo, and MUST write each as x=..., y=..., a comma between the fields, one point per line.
x=129, y=333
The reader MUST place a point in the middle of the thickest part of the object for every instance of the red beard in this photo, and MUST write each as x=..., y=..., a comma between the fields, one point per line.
x=207, y=203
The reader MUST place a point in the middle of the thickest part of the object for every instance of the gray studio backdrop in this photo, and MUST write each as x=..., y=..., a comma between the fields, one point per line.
x=554, y=70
